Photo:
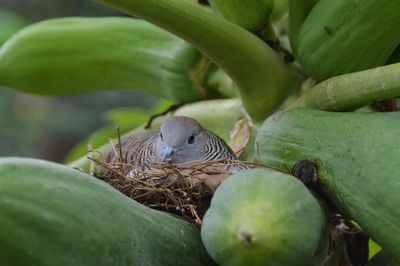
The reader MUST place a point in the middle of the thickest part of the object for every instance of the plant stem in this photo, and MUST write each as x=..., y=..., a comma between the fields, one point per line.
x=263, y=79
x=354, y=90
x=222, y=83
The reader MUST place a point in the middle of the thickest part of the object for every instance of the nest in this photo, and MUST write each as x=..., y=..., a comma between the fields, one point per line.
x=181, y=189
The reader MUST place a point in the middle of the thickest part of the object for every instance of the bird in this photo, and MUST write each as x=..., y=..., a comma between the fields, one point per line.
x=180, y=140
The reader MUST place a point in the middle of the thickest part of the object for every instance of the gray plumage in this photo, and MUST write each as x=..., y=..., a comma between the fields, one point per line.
x=180, y=140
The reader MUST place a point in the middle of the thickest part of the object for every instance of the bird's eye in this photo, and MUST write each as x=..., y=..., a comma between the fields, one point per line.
x=160, y=135
x=191, y=139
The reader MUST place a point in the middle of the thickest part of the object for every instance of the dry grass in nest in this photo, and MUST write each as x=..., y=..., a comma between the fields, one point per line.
x=183, y=189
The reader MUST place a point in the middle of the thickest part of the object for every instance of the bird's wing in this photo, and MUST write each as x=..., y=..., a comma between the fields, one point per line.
x=217, y=149
x=133, y=148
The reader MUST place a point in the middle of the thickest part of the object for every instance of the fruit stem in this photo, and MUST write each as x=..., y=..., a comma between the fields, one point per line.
x=352, y=91
x=263, y=79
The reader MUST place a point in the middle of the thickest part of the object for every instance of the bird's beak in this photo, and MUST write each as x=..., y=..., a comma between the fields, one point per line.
x=168, y=152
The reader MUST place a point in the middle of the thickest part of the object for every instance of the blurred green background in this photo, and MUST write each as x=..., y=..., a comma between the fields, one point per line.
x=49, y=127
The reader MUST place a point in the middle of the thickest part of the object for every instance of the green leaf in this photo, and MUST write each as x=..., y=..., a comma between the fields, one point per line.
x=374, y=248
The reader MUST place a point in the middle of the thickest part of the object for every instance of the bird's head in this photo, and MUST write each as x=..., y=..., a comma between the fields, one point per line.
x=181, y=139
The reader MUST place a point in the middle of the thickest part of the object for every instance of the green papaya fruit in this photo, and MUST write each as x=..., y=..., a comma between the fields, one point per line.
x=263, y=217
x=76, y=55
x=280, y=9
x=357, y=157
x=394, y=57
x=54, y=215
x=298, y=12
x=252, y=15
x=381, y=259
x=344, y=36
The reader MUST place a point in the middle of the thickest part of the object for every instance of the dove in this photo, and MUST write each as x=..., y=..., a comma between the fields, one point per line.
x=180, y=140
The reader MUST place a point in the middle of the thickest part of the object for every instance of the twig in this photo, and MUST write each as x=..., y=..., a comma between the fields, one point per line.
x=170, y=109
